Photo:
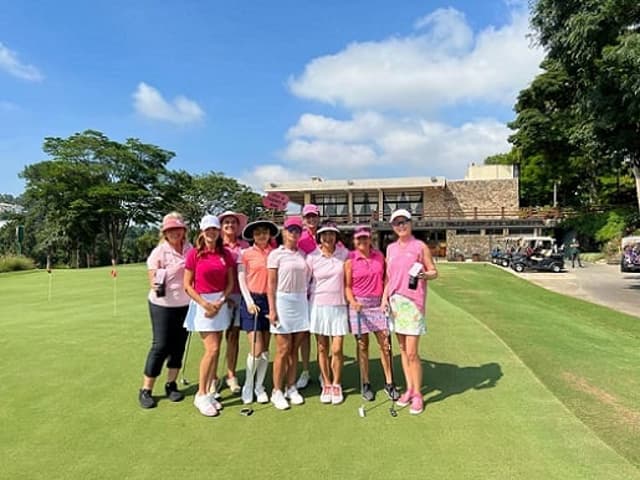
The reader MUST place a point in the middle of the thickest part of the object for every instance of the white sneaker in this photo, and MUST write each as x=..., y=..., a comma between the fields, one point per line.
x=326, y=396
x=233, y=385
x=337, y=397
x=261, y=395
x=303, y=380
x=204, y=406
x=216, y=404
x=214, y=388
x=294, y=397
x=278, y=400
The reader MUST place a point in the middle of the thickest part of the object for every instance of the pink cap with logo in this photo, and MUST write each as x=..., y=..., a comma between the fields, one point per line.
x=293, y=222
x=310, y=209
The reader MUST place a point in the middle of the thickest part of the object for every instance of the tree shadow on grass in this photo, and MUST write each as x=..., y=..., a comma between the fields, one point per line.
x=449, y=379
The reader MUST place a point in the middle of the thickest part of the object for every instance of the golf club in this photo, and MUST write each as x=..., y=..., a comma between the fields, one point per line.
x=184, y=380
x=392, y=410
x=361, y=411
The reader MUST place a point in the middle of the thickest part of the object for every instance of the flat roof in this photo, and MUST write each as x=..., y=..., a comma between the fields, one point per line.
x=320, y=184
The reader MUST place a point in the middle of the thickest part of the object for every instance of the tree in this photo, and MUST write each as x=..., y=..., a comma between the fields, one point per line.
x=597, y=42
x=95, y=185
x=195, y=196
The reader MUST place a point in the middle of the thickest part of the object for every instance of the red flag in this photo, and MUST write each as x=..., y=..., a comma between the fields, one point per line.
x=114, y=273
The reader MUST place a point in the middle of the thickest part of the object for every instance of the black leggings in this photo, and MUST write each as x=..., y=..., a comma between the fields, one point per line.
x=169, y=338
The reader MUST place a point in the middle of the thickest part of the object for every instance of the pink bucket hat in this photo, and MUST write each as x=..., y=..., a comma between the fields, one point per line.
x=310, y=209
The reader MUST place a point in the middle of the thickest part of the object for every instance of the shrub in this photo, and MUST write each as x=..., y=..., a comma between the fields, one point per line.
x=12, y=263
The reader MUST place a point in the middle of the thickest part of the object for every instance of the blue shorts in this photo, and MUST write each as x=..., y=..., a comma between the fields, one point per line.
x=246, y=319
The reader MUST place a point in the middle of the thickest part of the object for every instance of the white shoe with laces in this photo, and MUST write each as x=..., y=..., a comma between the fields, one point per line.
x=261, y=395
x=216, y=404
x=278, y=400
x=294, y=396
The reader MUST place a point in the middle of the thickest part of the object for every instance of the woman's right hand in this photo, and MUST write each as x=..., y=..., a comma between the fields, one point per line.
x=273, y=318
x=211, y=309
x=253, y=309
x=356, y=306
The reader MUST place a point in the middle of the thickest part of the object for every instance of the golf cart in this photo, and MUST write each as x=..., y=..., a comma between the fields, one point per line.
x=630, y=259
x=538, y=253
x=503, y=257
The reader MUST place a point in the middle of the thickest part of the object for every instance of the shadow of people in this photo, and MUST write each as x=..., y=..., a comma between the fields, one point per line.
x=449, y=379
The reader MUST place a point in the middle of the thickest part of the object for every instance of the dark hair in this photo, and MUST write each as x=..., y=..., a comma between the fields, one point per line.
x=201, y=244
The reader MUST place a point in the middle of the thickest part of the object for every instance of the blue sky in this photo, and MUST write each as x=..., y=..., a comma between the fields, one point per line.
x=267, y=91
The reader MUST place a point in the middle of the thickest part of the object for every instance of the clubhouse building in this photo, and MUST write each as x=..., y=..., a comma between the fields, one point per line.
x=458, y=219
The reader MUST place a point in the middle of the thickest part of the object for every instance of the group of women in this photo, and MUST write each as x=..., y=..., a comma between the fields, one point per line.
x=310, y=284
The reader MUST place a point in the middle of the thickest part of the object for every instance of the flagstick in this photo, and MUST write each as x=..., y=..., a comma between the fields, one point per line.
x=115, y=296
x=50, y=280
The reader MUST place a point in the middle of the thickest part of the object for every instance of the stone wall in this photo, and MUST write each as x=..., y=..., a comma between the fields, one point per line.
x=460, y=197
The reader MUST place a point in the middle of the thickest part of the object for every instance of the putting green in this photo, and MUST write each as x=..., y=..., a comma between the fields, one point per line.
x=72, y=367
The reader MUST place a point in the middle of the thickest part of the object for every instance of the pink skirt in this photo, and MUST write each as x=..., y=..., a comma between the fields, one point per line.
x=372, y=319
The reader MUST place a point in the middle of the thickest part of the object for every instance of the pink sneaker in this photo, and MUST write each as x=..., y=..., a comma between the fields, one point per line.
x=327, y=394
x=405, y=399
x=337, y=397
x=417, y=405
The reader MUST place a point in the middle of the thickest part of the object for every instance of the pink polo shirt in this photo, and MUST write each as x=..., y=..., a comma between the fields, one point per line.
x=254, y=260
x=210, y=270
x=234, y=250
x=164, y=256
x=367, y=273
x=293, y=273
x=327, y=277
x=307, y=242
x=400, y=258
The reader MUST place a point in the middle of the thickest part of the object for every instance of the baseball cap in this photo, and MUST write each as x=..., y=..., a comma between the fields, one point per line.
x=310, y=209
x=295, y=221
x=209, y=221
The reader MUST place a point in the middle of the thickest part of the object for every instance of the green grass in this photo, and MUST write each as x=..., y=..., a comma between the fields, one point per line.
x=511, y=372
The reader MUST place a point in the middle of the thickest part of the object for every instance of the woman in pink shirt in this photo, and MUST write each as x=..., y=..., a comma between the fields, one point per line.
x=232, y=224
x=253, y=277
x=288, y=311
x=167, y=307
x=364, y=282
x=307, y=243
x=208, y=280
x=409, y=266
x=329, y=316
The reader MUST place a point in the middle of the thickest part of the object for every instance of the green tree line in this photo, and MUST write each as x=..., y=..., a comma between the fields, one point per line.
x=95, y=200
x=577, y=125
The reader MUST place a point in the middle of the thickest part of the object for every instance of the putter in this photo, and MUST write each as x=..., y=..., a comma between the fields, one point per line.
x=361, y=411
x=184, y=380
x=392, y=410
x=248, y=411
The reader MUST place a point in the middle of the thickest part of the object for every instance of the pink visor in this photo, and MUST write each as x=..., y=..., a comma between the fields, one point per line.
x=362, y=231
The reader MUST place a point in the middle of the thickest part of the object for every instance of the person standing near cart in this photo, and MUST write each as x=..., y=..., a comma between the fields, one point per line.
x=167, y=308
x=409, y=267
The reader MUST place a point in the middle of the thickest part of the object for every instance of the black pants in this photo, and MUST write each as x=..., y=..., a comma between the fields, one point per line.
x=169, y=338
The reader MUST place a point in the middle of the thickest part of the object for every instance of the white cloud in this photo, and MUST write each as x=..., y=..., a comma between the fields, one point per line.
x=264, y=174
x=10, y=63
x=442, y=64
x=408, y=146
x=8, y=106
x=149, y=102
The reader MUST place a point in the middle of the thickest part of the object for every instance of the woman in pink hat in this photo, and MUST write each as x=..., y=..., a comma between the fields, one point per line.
x=288, y=311
x=329, y=318
x=409, y=267
x=168, y=305
x=232, y=224
x=307, y=243
x=208, y=280
x=364, y=284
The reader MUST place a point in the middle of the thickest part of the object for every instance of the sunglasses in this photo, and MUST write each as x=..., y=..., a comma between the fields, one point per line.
x=294, y=229
x=400, y=223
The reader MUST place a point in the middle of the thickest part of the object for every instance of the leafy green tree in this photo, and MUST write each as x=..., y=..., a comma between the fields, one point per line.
x=597, y=42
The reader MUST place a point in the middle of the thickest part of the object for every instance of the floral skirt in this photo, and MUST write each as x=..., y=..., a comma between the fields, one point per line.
x=406, y=318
